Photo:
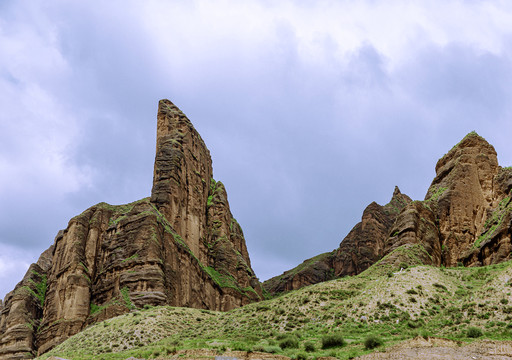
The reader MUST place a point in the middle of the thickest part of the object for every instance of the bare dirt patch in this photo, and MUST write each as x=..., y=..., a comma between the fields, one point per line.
x=433, y=348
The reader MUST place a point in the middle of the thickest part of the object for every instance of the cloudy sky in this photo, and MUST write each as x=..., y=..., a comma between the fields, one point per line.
x=311, y=109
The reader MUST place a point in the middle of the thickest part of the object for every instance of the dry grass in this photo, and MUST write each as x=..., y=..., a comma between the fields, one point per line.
x=445, y=303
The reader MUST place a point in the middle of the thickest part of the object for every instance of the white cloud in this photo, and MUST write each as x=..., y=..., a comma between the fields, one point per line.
x=318, y=98
x=186, y=33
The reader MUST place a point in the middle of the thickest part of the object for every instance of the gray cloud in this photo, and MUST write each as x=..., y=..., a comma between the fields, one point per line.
x=308, y=116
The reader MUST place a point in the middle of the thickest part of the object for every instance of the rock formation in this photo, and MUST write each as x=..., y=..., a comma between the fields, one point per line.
x=362, y=247
x=465, y=219
x=20, y=317
x=470, y=197
x=180, y=247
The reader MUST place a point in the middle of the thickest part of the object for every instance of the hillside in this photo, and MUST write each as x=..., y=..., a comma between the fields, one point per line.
x=390, y=300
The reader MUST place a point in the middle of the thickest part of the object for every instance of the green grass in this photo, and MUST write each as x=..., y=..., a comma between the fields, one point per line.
x=494, y=222
x=38, y=288
x=449, y=303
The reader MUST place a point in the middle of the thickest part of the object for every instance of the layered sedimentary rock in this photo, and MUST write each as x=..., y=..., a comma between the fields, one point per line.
x=465, y=219
x=20, y=317
x=461, y=193
x=416, y=224
x=180, y=247
x=362, y=247
x=311, y=271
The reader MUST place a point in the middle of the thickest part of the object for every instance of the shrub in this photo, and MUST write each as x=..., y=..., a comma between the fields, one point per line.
x=440, y=286
x=414, y=324
x=301, y=356
x=333, y=340
x=309, y=346
x=271, y=349
x=282, y=336
x=289, y=343
x=240, y=346
x=251, y=338
x=504, y=301
x=280, y=311
x=259, y=347
x=372, y=341
x=173, y=350
x=474, y=332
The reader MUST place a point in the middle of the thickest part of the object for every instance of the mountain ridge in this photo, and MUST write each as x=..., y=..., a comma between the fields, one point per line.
x=182, y=247
x=464, y=218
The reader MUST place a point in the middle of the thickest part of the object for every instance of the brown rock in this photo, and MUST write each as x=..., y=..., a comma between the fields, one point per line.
x=181, y=247
x=311, y=271
x=22, y=312
x=181, y=182
x=494, y=245
x=461, y=193
x=465, y=218
x=416, y=225
x=362, y=247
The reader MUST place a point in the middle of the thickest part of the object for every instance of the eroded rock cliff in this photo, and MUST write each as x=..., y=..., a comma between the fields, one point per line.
x=465, y=219
x=180, y=247
x=362, y=247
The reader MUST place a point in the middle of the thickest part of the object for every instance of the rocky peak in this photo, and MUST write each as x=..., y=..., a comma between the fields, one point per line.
x=461, y=193
x=362, y=247
x=182, y=175
x=180, y=247
x=466, y=217
x=471, y=145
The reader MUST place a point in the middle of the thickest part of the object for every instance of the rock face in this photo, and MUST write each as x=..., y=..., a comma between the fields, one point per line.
x=461, y=193
x=21, y=314
x=465, y=219
x=362, y=247
x=180, y=247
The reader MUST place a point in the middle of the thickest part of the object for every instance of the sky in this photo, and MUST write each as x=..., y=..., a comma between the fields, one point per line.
x=311, y=110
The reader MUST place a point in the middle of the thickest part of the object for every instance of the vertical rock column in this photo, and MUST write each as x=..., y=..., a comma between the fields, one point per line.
x=182, y=174
x=461, y=193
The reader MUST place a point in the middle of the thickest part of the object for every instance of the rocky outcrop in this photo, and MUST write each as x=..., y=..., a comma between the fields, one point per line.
x=416, y=224
x=311, y=271
x=362, y=247
x=493, y=243
x=182, y=174
x=364, y=244
x=461, y=193
x=180, y=247
x=21, y=315
x=465, y=219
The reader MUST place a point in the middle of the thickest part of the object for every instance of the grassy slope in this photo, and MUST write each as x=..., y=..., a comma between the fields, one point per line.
x=397, y=305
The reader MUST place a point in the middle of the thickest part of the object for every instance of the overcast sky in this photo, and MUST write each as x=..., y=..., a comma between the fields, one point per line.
x=311, y=109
